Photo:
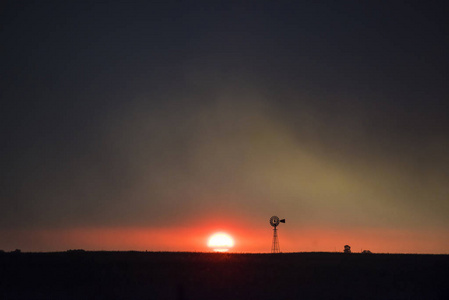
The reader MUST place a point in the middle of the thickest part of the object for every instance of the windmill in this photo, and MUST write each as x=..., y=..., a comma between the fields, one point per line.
x=274, y=221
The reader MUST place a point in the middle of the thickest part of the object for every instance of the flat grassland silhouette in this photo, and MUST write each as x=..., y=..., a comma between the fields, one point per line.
x=184, y=275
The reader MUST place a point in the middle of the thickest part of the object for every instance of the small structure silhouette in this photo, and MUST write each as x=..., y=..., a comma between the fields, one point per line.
x=347, y=249
x=366, y=252
x=274, y=221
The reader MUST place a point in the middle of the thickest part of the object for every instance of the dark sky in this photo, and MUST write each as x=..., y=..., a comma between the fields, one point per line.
x=330, y=113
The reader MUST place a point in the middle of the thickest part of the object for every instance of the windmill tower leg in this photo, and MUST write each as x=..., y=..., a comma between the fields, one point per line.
x=275, y=246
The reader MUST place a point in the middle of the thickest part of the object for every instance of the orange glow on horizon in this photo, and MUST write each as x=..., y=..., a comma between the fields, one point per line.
x=250, y=239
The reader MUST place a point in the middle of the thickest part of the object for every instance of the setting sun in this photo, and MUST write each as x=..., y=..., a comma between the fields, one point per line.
x=220, y=242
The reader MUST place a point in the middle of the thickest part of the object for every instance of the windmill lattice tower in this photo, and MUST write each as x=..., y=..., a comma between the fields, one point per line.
x=274, y=221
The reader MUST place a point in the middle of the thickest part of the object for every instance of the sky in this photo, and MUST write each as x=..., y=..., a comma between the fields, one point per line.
x=151, y=125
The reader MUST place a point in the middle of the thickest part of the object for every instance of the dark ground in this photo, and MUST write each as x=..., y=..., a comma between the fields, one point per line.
x=162, y=275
